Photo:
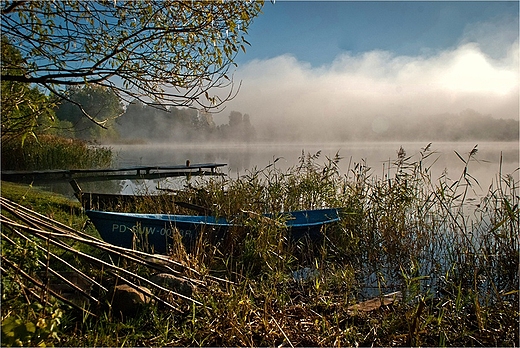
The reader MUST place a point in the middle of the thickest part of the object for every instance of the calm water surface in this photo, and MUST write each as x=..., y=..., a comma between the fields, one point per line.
x=243, y=158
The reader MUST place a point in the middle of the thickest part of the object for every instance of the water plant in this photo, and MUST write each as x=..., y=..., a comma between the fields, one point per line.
x=53, y=152
x=450, y=255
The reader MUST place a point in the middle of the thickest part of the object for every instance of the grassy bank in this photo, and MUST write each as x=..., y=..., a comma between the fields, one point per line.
x=454, y=262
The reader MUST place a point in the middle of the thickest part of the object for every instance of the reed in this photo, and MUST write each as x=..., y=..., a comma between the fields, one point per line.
x=454, y=259
x=53, y=152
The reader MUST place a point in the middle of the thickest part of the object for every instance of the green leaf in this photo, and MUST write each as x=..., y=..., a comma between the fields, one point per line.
x=30, y=327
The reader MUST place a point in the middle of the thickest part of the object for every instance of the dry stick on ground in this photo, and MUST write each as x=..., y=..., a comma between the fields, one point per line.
x=127, y=253
x=11, y=224
x=59, y=231
x=283, y=332
x=57, y=274
x=43, y=221
x=47, y=236
x=143, y=279
x=80, y=273
x=52, y=238
x=40, y=285
x=87, y=239
x=162, y=263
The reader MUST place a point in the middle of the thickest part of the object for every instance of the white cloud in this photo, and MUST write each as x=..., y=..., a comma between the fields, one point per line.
x=380, y=85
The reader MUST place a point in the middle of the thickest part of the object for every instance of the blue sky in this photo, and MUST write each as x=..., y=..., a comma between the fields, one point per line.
x=317, y=31
x=316, y=64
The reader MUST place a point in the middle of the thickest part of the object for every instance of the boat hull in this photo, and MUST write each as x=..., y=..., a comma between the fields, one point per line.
x=154, y=232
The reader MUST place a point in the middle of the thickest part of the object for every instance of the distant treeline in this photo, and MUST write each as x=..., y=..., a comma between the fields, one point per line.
x=467, y=125
x=138, y=122
x=141, y=122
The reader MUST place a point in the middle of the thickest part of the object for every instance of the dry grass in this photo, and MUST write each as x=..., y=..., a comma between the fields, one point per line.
x=456, y=264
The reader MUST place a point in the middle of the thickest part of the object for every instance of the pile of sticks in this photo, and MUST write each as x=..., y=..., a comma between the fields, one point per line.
x=25, y=228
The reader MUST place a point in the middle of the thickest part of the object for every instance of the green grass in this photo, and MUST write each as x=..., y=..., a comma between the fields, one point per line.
x=52, y=204
x=455, y=263
x=53, y=152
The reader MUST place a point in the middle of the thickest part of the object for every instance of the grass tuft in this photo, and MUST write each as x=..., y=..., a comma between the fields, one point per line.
x=455, y=262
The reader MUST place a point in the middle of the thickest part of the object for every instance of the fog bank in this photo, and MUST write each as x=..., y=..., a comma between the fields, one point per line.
x=381, y=89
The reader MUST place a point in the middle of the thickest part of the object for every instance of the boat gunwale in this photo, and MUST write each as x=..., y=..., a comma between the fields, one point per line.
x=222, y=221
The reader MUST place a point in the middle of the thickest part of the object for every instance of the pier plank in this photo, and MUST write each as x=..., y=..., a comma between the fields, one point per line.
x=132, y=172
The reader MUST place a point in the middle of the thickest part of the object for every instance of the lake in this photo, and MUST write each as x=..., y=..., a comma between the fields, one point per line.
x=245, y=157
x=241, y=158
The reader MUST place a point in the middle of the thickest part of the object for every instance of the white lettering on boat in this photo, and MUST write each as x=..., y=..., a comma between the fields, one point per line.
x=137, y=229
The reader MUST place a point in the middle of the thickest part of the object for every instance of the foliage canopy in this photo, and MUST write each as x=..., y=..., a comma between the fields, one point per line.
x=99, y=102
x=24, y=108
x=162, y=53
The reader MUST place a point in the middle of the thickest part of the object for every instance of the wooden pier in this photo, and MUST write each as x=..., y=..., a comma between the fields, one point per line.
x=130, y=173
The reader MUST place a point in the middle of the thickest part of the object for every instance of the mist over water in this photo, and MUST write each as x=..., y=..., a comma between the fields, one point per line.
x=242, y=158
x=461, y=92
x=383, y=91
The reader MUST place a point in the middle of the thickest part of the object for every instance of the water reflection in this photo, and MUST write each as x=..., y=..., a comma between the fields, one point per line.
x=378, y=156
x=242, y=158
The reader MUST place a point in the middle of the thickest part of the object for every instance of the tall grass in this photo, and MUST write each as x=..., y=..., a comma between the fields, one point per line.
x=53, y=152
x=454, y=258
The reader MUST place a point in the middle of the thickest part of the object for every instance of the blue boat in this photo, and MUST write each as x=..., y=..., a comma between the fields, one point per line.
x=154, y=232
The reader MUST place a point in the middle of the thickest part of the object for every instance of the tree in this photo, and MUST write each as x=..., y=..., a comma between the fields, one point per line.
x=162, y=53
x=235, y=119
x=24, y=109
x=239, y=127
x=98, y=101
